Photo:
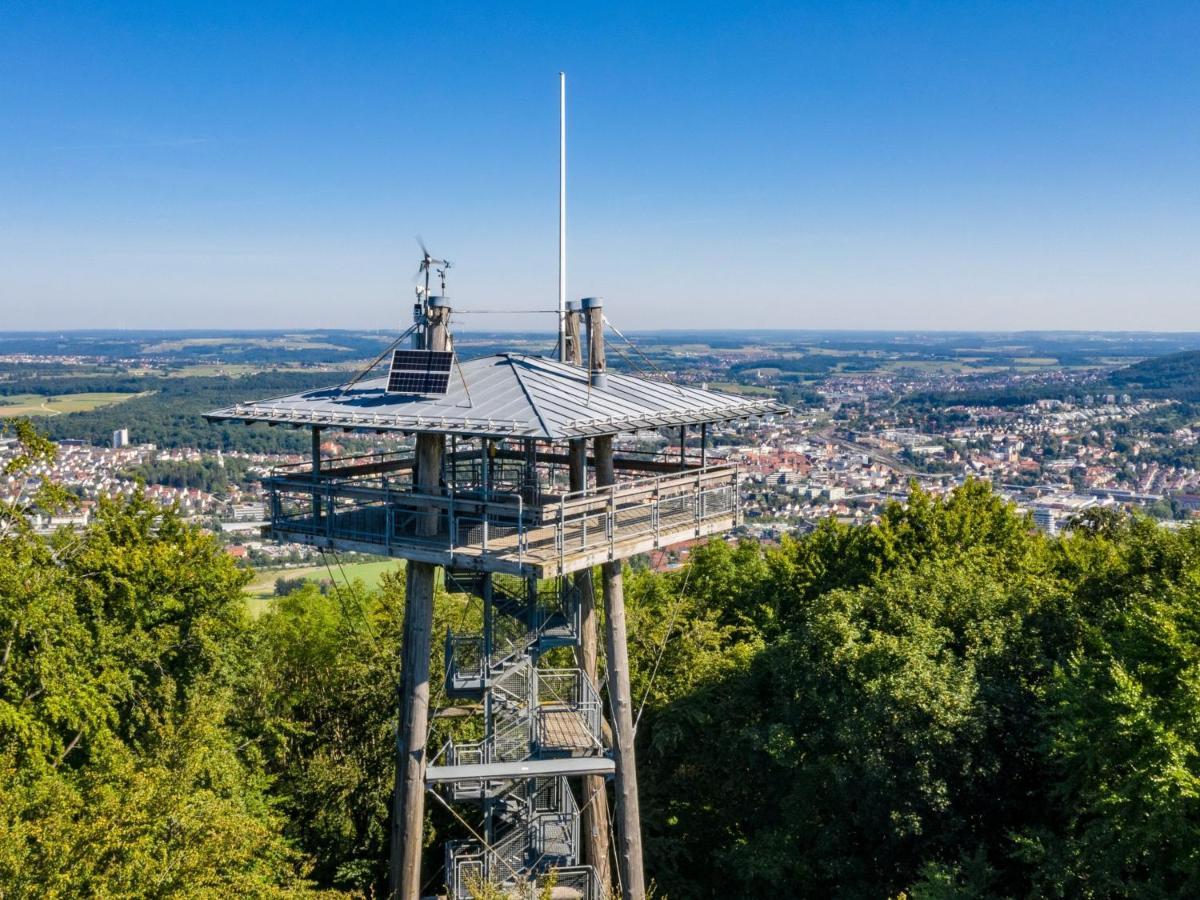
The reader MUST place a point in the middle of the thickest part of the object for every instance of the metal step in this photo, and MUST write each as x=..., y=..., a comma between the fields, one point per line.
x=556, y=631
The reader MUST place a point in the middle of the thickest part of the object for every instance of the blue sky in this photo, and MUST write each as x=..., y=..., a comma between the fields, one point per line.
x=837, y=165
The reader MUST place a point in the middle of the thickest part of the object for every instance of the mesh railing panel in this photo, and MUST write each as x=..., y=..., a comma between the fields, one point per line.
x=555, y=841
x=511, y=742
x=515, y=683
x=465, y=657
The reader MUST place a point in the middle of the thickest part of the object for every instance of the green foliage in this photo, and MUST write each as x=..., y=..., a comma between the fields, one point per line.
x=33, y=448
x=320, y=704
x=285, y=586
x=330, y=737
x=185, y=819
x=946, y=704
x=170, y=414
x=1122, y=732
x=120, y=773
x=156, y=740
x=1174, y=375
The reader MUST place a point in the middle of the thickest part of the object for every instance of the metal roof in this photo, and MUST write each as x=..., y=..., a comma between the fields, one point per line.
x=507, y=395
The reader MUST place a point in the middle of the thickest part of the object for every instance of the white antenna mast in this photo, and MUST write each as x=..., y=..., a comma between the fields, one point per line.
x=562, y=216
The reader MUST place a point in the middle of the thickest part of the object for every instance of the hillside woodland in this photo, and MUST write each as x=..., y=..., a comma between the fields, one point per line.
x=1174, y=376
x=946, y=704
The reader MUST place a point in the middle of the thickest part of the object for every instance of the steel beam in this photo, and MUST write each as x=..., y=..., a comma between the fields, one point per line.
x=569, y=766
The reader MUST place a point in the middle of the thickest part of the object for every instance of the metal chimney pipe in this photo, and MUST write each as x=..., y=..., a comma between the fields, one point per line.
x=593, y=316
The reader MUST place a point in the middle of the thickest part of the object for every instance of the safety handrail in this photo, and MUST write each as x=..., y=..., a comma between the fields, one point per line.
x=634, y=485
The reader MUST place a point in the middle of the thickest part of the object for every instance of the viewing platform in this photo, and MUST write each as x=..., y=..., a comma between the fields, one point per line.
x=506, y=520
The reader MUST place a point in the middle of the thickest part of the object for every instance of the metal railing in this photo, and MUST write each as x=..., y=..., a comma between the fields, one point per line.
x=538, y=844
x=569, y=690
x=470, y=869
x=523, y=700
x=521, y=625
x=569, y=881
x=466, y=662
x=374, y=510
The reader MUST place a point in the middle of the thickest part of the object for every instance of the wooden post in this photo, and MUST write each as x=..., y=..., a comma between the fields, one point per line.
x=316, y=476
x=593, y=314
x=595, y=794
x=531, y=472
x=408, y=801
x=573, y=334
x=629, y=834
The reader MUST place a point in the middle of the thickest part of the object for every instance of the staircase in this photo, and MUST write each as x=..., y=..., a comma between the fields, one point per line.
x=531, y=713
x=520, y=625
x=535, y=836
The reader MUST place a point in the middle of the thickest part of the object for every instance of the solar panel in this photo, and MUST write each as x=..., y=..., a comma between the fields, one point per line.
x=420, y=372
x=418, y=382
x=424, y=360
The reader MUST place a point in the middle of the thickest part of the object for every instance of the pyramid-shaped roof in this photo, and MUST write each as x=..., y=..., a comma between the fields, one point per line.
x=507, y=395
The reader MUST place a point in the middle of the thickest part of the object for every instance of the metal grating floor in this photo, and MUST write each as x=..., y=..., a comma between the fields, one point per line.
x=562, y=730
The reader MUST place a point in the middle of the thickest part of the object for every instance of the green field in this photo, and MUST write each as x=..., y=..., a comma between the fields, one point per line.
x=39, y=405
x=733, y=387
x=209, y=370
x=262, y=588
x=283, y=342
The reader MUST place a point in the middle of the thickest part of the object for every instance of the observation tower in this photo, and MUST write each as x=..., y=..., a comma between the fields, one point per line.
x=516, y=491
x=524, y=477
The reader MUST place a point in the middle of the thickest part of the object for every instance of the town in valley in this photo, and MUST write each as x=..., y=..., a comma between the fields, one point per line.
x=1058, y=423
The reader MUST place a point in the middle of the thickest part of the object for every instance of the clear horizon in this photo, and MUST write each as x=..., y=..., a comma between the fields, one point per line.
x=917, y=167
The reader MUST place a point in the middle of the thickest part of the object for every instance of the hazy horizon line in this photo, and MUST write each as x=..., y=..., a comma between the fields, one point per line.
x=517, y=331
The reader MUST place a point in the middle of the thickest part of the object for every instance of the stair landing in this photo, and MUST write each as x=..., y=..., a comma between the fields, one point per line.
x=562, y=731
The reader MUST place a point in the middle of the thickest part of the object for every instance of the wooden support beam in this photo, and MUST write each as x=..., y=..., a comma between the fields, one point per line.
x=629, y=833
x=593, y=316
x=595, y=793
x=573, y=334
x=408, y=801
x=360, y=470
